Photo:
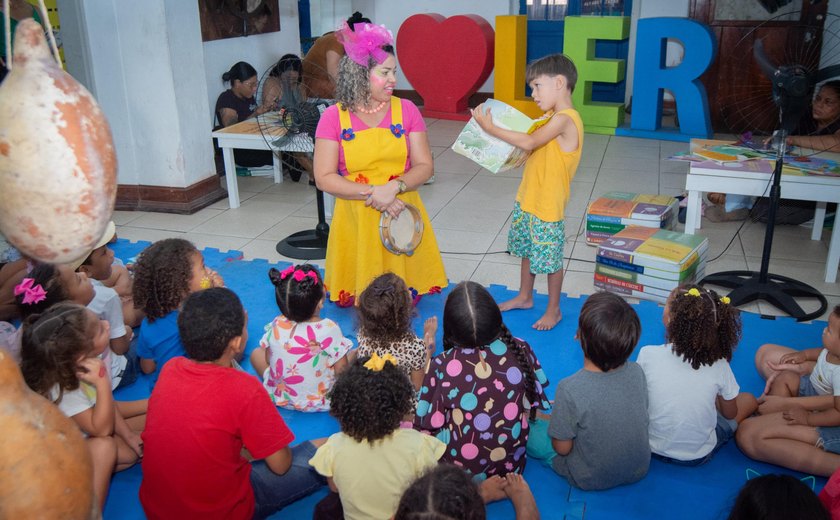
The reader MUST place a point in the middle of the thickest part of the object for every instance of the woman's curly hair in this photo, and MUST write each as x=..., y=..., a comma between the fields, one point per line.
x=51, y=346
x=370, y=404
x=352, y=88
x=702, y=329
x=385, y=311
x=445, y=492
x=162, y=276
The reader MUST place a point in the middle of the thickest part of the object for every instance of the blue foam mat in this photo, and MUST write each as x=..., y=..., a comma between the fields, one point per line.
x=668, y=491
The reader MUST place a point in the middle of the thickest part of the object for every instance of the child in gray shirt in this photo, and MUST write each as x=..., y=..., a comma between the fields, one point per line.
x=597, y=437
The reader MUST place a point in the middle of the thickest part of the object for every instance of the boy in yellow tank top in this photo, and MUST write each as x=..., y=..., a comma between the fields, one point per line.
x=537, y=231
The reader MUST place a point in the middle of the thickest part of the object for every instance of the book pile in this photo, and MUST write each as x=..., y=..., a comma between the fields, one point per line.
x=614, y=211
x=649, y=263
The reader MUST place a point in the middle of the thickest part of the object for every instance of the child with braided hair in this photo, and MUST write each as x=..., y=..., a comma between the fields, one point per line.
x=694, y=400
x=478, y=394
x=300, y=352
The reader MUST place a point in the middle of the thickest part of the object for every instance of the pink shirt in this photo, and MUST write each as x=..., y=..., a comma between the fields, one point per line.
x=329, y=127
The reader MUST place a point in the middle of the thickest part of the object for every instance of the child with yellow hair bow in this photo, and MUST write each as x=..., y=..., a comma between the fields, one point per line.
x=694, y=401
x=372, y=460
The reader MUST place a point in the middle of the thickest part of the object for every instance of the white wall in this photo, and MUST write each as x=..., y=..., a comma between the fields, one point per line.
x=260, y=50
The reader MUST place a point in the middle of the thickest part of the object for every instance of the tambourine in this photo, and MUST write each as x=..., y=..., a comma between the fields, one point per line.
x=401, y=235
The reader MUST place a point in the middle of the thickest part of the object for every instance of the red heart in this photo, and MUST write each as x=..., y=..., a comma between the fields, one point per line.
x=445, y=59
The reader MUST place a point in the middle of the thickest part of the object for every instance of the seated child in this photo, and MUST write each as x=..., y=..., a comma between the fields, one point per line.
x=799, y=425
x=372, y=460
x=599, y=423
x=694, y=402
x=777, y=497
x=105, y=270
x=447, y=492
x=480, y=391
x=300, y=353
x=167, y=272
x=385, y=311
x=203, y=412
x=60, y=360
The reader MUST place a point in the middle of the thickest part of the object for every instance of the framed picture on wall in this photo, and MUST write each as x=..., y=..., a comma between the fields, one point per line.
x=234, y=18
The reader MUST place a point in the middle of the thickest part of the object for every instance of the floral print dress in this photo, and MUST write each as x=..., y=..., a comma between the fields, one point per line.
x=474, y=400
x=301, y=359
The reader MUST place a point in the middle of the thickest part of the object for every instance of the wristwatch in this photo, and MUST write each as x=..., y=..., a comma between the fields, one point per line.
x=402, y=185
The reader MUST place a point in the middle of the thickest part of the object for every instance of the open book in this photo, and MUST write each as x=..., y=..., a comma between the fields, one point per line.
x=490, y=152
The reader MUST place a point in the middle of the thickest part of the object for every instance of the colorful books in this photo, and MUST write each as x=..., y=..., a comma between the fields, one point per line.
x=488, y=151
x=649, y=263
x=616, y=210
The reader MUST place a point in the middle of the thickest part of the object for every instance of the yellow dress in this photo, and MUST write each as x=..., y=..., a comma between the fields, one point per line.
x=355, y=254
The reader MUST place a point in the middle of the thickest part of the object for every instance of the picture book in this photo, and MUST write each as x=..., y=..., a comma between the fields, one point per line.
x=658, y=248
x=697, y=271
x=640, y=290
x=632, y=206
x=669, y=273
x=492, y=153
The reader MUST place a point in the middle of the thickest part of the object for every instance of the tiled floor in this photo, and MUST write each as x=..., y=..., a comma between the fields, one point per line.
x=470, y=210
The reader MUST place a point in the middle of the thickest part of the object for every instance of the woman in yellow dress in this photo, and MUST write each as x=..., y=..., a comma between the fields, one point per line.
x=372, y=153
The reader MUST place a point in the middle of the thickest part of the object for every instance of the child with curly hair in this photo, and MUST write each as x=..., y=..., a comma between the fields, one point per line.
x=479, y=393
x=166, y=273
x=60, y=360
x=385, y=312
x=300, y=353
x=372, y=460
x=694, y=402
x=799, y=425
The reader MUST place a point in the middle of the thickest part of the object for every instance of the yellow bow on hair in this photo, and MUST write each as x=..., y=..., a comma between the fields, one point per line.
x=693, y=292
x=377, y=363
x=725, y=300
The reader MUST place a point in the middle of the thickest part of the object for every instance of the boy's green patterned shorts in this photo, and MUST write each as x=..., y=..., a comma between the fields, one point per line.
x=539, y=241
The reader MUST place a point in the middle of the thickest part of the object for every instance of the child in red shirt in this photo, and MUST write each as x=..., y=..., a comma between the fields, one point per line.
x=203, y=412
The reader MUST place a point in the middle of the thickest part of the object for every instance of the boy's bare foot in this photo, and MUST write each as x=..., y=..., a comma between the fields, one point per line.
x=518, y=302
x=520, y=495
x=492, y=489
x=551, y=318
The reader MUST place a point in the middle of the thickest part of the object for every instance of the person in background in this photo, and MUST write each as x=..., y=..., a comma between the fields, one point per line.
x=320, y=65
x=237, y=104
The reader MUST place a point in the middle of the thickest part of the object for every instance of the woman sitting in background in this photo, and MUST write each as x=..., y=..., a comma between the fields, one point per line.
x=237, y=104
x=284, y=87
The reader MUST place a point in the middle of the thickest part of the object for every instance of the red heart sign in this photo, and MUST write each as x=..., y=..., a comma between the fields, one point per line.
x=445, y=59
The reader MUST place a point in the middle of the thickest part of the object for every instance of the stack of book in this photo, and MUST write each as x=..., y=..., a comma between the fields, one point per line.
x=649, y=263
x=614, y=211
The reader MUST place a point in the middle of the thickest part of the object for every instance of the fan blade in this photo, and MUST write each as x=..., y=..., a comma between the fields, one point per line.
x=768, y=68
x=827, y=73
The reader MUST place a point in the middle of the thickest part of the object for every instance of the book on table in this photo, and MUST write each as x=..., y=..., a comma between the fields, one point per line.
x=490, y=152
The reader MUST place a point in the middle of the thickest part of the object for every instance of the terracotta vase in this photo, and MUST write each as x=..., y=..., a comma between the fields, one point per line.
x=57, y=161
x=45, y=466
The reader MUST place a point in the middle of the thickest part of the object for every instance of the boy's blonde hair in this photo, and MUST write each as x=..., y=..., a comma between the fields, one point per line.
x=553, y=65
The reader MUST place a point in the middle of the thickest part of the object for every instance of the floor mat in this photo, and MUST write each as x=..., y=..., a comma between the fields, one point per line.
x=668, y=491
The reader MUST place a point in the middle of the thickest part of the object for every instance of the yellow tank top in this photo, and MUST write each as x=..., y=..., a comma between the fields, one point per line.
x=544, y=190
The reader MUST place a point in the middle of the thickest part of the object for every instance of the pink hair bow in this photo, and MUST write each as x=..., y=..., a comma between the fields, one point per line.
x=300, y=275
x=365, y=41
x=286, y=272
x=32, y=292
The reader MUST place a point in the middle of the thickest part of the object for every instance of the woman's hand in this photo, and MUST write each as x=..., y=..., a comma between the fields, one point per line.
x=484, y=119
x=384, y=198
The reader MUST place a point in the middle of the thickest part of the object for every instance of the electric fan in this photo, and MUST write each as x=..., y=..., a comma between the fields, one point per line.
x=290, y=132
x=776, y=105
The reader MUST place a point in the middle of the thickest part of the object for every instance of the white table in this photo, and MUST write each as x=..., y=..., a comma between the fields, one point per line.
x=247, y=135
x=755, y=180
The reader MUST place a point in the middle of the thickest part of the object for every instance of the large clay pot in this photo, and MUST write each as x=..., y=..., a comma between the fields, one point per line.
x=57, y=161
x=45, y=466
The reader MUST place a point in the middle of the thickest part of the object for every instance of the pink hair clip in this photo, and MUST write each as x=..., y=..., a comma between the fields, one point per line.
x=286, y=272
x=32, y=292
x=299, y=276
x=365, y=41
